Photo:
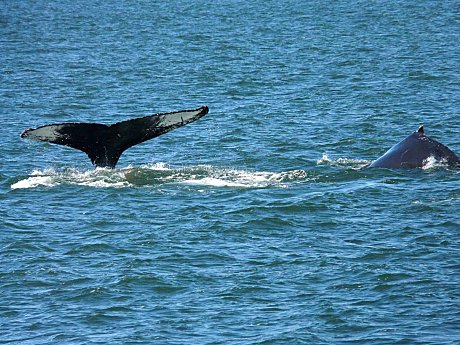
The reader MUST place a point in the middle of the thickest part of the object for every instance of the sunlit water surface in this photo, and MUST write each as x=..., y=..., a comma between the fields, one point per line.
x=257, y=224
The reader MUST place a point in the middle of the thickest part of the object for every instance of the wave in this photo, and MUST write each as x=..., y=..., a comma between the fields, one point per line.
x=160, y=174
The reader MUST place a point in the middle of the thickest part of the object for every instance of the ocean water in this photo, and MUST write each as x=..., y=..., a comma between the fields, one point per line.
x=256, y=224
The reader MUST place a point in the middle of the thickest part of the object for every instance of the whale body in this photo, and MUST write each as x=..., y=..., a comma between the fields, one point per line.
x=414, y=152
x=104, y=144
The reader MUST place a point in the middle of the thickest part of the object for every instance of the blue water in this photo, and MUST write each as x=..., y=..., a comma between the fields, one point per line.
x=255, y=224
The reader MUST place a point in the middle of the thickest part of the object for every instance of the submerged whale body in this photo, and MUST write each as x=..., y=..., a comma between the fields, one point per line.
x=104, y=144
x=414, y=152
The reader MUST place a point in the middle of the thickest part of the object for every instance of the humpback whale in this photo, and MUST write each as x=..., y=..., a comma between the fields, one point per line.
x=414, y=152
x=104, y=144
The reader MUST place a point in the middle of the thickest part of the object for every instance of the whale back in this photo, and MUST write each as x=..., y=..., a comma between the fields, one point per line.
x=414, y=151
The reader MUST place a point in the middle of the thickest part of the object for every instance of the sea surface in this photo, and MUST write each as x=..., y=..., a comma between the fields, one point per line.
x=257, y=224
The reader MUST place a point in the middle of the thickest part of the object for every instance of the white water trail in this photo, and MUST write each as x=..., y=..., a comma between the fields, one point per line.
x=160, y=174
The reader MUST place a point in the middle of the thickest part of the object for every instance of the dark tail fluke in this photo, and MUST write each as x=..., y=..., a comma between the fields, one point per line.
x=104, y=144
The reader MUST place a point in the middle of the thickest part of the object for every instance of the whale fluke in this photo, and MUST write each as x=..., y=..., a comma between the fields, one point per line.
x=104, y=144
x=414, y=152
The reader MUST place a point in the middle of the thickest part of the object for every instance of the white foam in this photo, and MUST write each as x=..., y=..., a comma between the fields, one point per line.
x=95, y=178
x=160, y=174
x=156, y=166
x=32, y=182
x=325, y=160
x=432, y=163
x=214, y=182
x=246, y=179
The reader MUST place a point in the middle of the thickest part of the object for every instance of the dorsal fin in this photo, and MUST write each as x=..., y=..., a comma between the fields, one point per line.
x=421, y=130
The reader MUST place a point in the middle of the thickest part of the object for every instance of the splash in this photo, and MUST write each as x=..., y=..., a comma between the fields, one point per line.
x=344, y=162
x=432, y=163
x=160, y=174
x=244, y=179
x=99, y=177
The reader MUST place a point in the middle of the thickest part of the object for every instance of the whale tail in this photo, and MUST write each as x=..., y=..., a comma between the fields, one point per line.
x=104, y=144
